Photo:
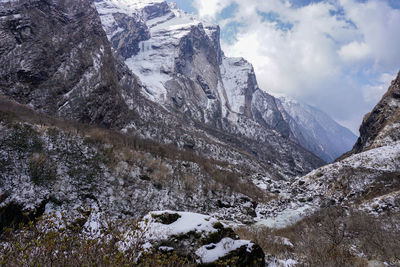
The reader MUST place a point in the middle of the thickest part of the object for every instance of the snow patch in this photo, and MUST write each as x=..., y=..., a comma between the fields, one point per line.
x=187, y=222
x=212, y=252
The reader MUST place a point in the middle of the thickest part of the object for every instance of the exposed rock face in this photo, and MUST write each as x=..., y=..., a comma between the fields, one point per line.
x=56, y=58
x=240, y=81
x=127, y=42
x=246, y=98
x=381, y=125
x=266, y=112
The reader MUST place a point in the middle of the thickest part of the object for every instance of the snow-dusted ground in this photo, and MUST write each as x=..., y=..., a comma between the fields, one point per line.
x=152, y=231
x=336, y=182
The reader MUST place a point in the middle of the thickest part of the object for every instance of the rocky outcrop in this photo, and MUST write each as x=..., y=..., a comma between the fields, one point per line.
x=246, y=98
x=201, y=237
x=127, y=42
x=267, y=113
x=381, y=126
x=56, y=58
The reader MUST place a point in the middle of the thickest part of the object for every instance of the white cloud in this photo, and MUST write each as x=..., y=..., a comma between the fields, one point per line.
x=210, y=8
x=373, y=93
x=354, y=51
x=333, y=57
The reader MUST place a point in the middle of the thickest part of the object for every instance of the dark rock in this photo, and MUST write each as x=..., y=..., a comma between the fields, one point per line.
x=157, y=185
x=62, y=44
x=134, y=31
x=144, y=177
x=223, y=204
x=166, y=218
x=242, y=257
x=12, y=214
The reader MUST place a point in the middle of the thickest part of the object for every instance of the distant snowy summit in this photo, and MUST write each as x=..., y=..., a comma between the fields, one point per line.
x=316, y=130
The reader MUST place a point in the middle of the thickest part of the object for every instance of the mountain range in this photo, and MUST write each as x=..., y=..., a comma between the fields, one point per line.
x=120, y=108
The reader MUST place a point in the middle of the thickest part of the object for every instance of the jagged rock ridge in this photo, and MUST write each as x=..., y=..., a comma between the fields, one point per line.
x=381, y=125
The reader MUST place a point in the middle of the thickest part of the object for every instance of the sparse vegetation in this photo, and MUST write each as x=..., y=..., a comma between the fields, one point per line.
x=23, y=138
x=333, y=237
x=41, y=169
x=43, y=243
x=113, y=147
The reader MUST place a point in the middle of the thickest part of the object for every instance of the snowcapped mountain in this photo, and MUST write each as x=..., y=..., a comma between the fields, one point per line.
x=180, y=64
x=315, y=130
x=132, y=110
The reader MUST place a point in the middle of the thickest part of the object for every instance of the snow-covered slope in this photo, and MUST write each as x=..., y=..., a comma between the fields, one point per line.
x=316, y=131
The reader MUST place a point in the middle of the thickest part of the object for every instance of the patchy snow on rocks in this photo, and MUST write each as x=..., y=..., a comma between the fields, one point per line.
x=158, y=228
x=208, y=239
x=212, y=252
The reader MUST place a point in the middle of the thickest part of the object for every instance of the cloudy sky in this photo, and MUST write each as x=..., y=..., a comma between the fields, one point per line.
x=337, y=55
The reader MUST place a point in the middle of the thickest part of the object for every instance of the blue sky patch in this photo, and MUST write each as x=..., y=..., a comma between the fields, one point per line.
x=228, y=12
x=185, y=5
x=275, y=17
x=302, y=3
x=229, y=32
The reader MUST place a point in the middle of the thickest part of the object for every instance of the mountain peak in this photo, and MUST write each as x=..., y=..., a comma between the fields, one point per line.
x=316, y=130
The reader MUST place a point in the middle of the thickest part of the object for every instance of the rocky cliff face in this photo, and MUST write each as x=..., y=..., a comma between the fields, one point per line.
x=56, y=58
x=380, y=126
x=180, y=63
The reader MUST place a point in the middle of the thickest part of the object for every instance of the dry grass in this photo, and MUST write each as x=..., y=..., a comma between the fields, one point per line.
x=333, y=237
